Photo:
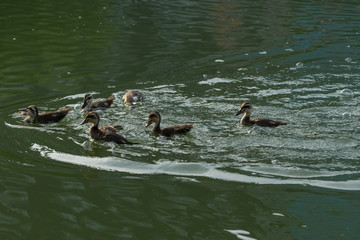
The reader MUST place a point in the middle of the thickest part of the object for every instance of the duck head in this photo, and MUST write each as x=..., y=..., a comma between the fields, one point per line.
x=31, y=111
x=91, y=117
x=87, y=102
x=154, y=117
x=245, y=107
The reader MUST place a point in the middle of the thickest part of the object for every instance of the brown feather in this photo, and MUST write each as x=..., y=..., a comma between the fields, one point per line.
x=103, y=103
x=33, y=115
x=176, y=129
x=97, y=134
x=155, y=117
x=88, y=105
x=246, y=108
x=132, y=96
x=104, y=133
x=113, y=129
x=264, y=122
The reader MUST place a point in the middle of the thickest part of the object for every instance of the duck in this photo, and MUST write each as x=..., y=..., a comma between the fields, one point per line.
x=155, y=117
x=246, y=108
x=132, y=96
x=104, y=133
x=33, y=115
x=89, y=105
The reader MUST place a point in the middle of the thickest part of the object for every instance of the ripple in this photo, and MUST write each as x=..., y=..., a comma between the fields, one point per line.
x=293, y=172
x=41, y=129
x=240, y=234
x=346, y=92
x=182, y=169
x=216, y=80
x=299, y=64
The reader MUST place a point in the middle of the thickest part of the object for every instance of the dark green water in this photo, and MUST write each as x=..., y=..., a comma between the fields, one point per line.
x=196, y=62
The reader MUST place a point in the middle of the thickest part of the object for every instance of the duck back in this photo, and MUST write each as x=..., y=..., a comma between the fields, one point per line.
x=50, y=117
x=264, y=122
x=177, y=129
x=104, y=103
x=108, y=136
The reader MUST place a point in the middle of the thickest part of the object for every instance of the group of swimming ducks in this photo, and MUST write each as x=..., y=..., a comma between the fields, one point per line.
x=109, y=133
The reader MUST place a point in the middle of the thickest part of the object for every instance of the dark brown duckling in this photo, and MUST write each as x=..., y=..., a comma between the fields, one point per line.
x=104, y=133
x=132, y=96
x=246, y=108
x=89, y=105
x=154, y=117
x=33, y=115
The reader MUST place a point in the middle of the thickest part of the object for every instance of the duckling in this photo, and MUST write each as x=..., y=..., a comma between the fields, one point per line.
x=154, y=117
x=89, y=105
x=104, y=133
x=246, y=108
x=132, y=96
x=33, y=115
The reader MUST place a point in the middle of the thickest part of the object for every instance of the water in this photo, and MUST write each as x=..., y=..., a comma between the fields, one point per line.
x=195, y=62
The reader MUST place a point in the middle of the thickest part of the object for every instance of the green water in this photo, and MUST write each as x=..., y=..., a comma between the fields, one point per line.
x=196, y=62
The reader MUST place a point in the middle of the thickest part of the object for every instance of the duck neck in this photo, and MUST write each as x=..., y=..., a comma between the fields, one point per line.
x=245, y=120
x=95, y=124
x=89, y=105
x=93, y=130
x=157, y=128
x=31, y=118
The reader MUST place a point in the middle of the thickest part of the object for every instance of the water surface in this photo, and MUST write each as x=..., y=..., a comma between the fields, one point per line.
x=195, y=62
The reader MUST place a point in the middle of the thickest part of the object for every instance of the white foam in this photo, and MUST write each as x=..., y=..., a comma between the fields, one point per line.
x=216, y=80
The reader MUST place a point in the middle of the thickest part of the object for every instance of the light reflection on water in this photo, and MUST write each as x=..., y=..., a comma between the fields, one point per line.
x=178, y=168
x=196, y=62
x=219, y=144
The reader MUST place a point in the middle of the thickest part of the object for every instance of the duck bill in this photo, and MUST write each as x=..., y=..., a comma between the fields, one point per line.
x=149, y=123
x=239, y=112
x=23, y=111
x=84, y=121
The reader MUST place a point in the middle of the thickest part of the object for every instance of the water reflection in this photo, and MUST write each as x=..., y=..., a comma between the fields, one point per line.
x=195, y=62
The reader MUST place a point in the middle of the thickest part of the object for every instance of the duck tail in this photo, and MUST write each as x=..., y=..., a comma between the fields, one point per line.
x=66, y=110
x=118, y=127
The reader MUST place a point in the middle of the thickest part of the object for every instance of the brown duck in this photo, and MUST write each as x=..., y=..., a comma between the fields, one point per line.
x=33, y=115
x=132, y=96
x=246, y=108
x=89, y=105
x=104, y=133
x=154, y=117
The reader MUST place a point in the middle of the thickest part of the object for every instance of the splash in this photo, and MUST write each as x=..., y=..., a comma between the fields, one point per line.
x=182, y=169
